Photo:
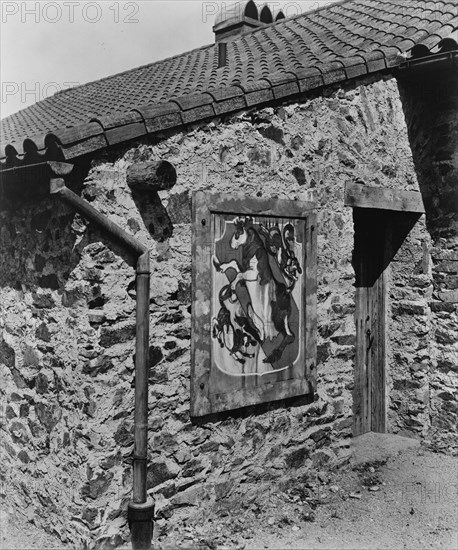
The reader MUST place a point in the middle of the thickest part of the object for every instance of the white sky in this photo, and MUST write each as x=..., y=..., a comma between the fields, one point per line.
x=48, y=45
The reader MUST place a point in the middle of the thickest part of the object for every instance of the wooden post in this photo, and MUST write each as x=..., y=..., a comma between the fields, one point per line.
x=154, y=176
x=370, y=269
x=383, y=219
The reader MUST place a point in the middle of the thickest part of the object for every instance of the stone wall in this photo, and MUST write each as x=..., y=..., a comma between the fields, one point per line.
x=423, y=337
x=430, y=103
x=67, y=320
x=409, y=336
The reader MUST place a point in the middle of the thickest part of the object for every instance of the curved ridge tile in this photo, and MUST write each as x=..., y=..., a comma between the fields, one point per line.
x=11, y=156
x=448, y=44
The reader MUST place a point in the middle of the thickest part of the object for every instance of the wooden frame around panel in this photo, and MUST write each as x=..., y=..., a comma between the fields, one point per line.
x=209, y=394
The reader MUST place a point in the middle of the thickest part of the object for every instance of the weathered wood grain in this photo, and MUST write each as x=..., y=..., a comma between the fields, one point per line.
x=378, y=368
x=363, y=196
x=230, y=204
x=155, y=176
x=311, y=298
x=201, y=310
x=211, y=390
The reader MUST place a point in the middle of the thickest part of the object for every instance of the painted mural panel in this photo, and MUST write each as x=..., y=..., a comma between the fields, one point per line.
x=257, y=272
x=253, y=308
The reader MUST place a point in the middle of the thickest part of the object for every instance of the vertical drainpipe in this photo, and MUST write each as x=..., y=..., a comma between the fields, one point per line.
x=141, y=510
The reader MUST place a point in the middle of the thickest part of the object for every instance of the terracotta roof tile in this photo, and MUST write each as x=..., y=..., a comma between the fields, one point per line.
x=294, y=55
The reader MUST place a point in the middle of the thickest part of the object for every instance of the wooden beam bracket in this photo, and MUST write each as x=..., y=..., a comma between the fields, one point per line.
x=381, y=198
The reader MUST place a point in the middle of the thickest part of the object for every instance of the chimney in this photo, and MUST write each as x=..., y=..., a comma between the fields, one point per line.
x=236, y=19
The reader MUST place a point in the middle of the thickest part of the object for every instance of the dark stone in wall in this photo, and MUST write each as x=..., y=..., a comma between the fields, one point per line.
x=97, y=486
x=7, y=354
x=299, y=174
x=274, y=133
x=43, y=300
x=133, y=225
x=295, y=459
x=155, y=356
x=42, y=333
x=41, y=383
x=49, y=281
x=124, y=434
x=48, y=414
x=40, y=262
x=98, y=365
x=117, y=334
x=193, y=467
x=323, y=352
x=23, y=457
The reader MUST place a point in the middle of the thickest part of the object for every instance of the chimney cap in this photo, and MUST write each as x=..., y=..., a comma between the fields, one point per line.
x=235, y=20
x=266, y=15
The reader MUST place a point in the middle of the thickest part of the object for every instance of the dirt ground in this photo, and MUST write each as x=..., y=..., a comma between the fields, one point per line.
x=392, y=495
x=408, y=502
x=404, y=499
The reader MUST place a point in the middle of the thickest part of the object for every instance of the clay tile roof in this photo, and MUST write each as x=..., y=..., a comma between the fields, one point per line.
x=334, y=43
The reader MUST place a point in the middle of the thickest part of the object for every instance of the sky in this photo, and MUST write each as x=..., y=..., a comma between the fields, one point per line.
x=47, y=46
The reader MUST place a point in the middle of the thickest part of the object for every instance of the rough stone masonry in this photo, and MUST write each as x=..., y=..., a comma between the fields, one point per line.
x=67, y=321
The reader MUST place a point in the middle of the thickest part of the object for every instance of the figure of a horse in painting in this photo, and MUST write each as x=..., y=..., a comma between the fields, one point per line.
x=269, y=308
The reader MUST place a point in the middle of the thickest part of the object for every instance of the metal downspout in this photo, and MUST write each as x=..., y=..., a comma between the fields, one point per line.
x=141, y=510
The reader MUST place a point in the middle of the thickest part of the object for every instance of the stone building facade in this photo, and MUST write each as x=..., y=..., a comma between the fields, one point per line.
x=68, y=308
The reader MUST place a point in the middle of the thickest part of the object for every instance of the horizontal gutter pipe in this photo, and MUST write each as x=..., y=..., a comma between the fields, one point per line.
x=439, y=61
x=58, y=188
x=141, y=510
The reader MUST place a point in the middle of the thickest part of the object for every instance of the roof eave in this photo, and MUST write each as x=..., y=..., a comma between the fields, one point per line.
x=182, y=112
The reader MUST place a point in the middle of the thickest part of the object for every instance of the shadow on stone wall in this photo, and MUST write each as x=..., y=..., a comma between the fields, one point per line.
x=430, y=103
x=379, y=234
x=256, y=410
x=153, y=213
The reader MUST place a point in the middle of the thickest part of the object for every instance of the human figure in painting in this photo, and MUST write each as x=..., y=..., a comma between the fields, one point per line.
x=233, y=329
x=268, y=311
x=280, y=245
